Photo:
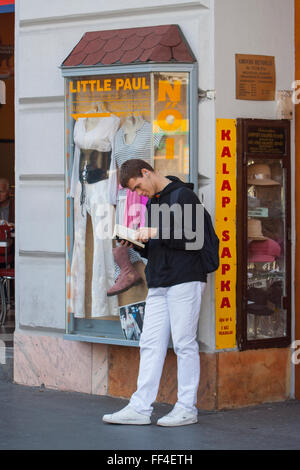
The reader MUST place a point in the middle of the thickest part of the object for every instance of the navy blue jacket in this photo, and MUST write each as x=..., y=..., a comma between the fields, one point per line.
x=169, y=262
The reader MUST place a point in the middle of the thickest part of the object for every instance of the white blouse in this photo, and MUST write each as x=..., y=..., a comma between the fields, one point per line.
x=100, y=138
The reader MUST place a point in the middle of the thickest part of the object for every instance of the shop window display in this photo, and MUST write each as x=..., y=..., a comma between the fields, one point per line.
x=110, y=119
x=265, y=277
x=266, y=289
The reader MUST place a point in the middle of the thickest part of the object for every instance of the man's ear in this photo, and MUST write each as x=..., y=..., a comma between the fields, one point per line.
x=145, y=172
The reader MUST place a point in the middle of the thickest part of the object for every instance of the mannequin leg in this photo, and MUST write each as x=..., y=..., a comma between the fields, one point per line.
x=103, y=263
x=78, y=258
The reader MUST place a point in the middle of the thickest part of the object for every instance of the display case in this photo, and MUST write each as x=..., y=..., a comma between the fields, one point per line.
x=263, y=233
x=115, y=112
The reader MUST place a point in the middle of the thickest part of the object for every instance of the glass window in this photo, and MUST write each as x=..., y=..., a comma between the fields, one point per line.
x=264, y=248
x=171, y=118
x=266, y=283
x=110, y=119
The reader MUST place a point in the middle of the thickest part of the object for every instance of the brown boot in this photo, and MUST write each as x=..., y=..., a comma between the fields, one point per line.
x=128, y=276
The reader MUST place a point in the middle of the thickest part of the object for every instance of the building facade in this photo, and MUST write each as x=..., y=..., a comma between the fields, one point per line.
x=192, y=55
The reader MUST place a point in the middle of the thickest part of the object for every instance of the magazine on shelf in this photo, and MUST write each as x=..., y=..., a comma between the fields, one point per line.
x=132, y=318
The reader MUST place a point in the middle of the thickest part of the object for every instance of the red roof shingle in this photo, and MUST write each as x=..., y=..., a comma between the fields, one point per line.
x=131, y=46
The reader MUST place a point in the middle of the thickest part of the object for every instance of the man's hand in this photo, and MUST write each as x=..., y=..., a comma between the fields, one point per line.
x=145, y=233
x=126, y=243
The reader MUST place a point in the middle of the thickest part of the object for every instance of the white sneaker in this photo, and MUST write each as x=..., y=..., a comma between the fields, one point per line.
x=178, y=417
x=127, y=416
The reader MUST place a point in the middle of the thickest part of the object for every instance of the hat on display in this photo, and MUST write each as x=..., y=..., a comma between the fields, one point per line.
x=255, y=230
x=260, y=174
x=259, y=302
x=256, y=309
x=263, y=251
x=257, y=295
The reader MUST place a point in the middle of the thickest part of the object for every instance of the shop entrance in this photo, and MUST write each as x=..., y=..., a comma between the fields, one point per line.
x=7, y=189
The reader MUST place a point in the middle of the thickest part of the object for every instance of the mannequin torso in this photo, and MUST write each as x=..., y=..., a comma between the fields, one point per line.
x=130, y=128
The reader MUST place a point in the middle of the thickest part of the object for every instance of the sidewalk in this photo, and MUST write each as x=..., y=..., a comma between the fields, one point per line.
x=32, y=418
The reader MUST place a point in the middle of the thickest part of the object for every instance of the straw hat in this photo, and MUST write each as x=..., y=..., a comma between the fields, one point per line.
x=255, y=230
x=260, y=174
x=257, y=309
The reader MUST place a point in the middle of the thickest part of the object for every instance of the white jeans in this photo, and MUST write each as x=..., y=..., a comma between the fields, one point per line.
x=168, y=310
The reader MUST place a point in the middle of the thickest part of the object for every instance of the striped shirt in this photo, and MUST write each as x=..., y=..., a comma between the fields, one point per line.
x=140, y=147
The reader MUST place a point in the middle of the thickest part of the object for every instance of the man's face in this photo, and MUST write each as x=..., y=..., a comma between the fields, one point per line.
x=3, y=192
x=142, y=185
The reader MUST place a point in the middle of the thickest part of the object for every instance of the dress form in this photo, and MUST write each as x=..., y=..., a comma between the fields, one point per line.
x=93, y=138
x=130, y=127
x=92, y=122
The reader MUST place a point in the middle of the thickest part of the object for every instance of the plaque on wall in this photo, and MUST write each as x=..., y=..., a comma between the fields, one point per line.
x=255, y=77
x=266, y=140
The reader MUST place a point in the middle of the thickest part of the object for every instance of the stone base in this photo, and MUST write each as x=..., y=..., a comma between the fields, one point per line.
x=253, y=377
x=123, y=372
x=228, y=379
x=60, y=364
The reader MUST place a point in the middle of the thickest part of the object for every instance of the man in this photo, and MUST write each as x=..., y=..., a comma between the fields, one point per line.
x=176, y=284
x=6, y=204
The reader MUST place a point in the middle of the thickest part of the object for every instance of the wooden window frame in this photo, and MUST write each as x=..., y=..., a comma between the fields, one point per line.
x=242, y=230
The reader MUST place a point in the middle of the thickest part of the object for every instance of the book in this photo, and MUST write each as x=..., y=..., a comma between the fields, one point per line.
x=121, y=232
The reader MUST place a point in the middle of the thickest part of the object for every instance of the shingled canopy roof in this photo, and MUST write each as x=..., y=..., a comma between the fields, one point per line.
x=131, y=46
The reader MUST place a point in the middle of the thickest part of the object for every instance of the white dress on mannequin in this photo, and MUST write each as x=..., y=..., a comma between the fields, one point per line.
x=92, y=134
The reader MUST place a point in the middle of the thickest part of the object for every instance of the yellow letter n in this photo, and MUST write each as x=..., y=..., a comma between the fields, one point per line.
x=165, y=87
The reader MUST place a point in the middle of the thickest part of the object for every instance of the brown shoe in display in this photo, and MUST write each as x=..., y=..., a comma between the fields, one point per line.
x=128, y=277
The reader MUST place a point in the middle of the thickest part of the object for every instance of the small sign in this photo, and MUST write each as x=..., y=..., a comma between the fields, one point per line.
x=259, y=212
x=255, y=77
x=266, y=140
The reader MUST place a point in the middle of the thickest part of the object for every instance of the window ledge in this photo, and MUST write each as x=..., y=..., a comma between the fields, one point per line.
x=101, y=339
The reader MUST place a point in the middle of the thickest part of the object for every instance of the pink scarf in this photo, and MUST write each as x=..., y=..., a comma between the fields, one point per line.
x=134, y=216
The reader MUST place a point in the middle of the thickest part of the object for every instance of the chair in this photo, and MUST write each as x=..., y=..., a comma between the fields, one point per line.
x=7, y=273
x=6, y=246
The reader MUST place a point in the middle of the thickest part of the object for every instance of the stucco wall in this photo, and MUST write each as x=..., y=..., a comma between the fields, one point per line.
x=263, y=27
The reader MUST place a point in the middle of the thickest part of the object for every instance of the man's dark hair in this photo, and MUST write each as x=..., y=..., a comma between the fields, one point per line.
x=133, y=169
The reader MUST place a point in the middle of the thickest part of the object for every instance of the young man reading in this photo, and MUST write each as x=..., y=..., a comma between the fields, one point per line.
x=176, y=283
